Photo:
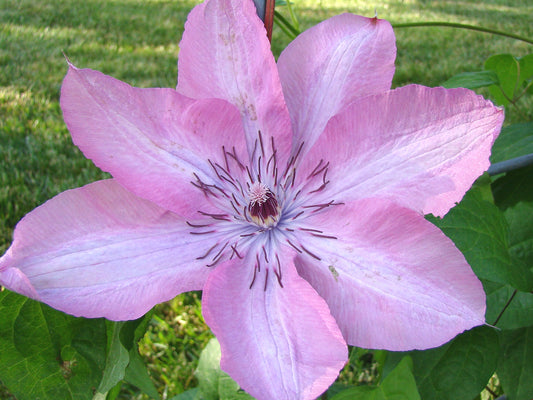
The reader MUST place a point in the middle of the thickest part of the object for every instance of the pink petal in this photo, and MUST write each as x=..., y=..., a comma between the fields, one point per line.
x=332, y=64
x=100, y=251
x=422, y=147
x=152, y=141
x=391, y=279
x=225, y=54
x=277, y=342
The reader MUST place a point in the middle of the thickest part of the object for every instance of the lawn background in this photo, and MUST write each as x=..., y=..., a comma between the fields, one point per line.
x=138, y=42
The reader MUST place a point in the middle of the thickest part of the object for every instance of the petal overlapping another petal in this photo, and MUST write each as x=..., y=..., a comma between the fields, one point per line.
x=391, y=279
x=100, y=251
x=225, y=54
x=153, y=141
x=421, y=147
x=330, y=65
x=277, y=342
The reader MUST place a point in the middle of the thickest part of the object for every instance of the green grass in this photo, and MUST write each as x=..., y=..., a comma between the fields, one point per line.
x=137, y=41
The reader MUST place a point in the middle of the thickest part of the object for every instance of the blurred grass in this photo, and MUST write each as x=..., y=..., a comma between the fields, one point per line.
x=137, y=41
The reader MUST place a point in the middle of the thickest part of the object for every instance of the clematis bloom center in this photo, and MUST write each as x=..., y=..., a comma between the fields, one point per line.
x=263, y=207
x=258, y=210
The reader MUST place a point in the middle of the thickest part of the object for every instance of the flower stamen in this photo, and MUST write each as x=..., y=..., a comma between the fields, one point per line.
x=278, y=271
x=208, y=252
x=263, y=207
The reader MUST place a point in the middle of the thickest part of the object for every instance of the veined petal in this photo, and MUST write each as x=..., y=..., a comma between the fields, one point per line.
x=391, y=279
x=100, y=251
x=153, y=141
x=421, y=147
x=330, y=65
x=285, y=335
x=225, y=54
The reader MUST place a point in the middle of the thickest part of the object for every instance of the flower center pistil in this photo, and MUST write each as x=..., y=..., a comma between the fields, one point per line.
x=263, y=206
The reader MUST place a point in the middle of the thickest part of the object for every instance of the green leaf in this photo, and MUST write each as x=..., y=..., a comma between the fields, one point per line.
x=117, y=358
x=506, y=68
x=472, y=80
x=520, y=220
x=208, y=371
x=46, y=354
x=190, y=394
x=134, y=330
x=479, y=229
x=337, y=387
x=460, y=369
x=215, y=384
x=398, y=385
x=526, y=68
x=519, y=312
x=516, y=367
x=112, y=394
x=358, y=393
x=230, y=390
x=513, y=74
x=123, y=360
x=513, y=193
x=137, y=375
x=514, y=141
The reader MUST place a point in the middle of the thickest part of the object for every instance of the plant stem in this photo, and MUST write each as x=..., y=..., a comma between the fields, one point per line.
x=295, y=23
x=286, y=26
x=524, y=91
x=513, y=102
x=491, y=391
x=510, y=165
x=462, y=26
x=265, y=11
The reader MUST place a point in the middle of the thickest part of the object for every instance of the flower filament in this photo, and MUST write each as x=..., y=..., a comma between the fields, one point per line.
x=259, y=210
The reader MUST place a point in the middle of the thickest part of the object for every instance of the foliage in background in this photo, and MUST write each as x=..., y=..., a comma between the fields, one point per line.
x=137, y=41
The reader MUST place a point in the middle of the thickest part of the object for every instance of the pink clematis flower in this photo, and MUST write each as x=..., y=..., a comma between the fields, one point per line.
x=293, y=194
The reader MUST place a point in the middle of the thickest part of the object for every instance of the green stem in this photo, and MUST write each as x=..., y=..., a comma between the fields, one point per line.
x=519, y=110
x=285, y=30
x=525, y=90
x=283, y=23
x=513, y=102
x=463, y=26
x=295, y=23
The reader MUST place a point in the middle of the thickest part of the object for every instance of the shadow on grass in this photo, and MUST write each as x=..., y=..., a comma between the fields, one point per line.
x=134, y=41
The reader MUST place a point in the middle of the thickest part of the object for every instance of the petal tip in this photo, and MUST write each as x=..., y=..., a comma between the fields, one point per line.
x=69, y=63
